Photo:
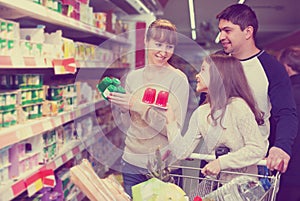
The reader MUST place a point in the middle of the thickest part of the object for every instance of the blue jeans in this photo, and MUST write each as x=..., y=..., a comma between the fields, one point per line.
x=133, y=175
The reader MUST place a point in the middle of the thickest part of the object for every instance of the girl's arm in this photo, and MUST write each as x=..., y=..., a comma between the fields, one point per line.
x=182, y=146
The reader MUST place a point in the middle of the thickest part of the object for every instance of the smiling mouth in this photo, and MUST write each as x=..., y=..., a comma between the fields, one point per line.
x=160, y=57
x=225, y=44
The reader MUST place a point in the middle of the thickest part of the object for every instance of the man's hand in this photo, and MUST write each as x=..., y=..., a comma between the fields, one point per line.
x=275, y=157
x=213, y=168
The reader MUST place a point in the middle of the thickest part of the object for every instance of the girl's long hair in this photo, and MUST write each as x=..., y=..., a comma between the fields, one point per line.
x=228, y=80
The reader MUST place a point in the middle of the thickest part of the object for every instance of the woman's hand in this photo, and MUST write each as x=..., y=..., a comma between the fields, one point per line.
x=213, y=168
x=170, y=115
x=124, y=101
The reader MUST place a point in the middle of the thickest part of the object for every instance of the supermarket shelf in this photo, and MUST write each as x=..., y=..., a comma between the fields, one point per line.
x=9, y=62
x=40, y=12
x=15, y=188
x=32, y=128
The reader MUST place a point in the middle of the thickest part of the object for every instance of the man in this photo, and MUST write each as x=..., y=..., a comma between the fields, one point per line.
x=289, y=183
x=270, y=83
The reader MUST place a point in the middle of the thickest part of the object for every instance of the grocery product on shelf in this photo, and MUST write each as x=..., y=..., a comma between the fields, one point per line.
x=41, y=110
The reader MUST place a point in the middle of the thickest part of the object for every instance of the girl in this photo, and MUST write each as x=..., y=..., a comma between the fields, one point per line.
x=229, y=118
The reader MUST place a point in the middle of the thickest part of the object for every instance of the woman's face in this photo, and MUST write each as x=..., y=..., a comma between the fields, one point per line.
x=159, y=53
x=203, y=78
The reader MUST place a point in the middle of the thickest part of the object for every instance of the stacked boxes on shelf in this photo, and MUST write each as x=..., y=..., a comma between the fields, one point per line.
x=32, y=40
x=4, y=165
x=56, y=140
x=100, y=20
x=71, y=8
x=9, y=36
x=22, y=98
x=24, y=156
x=49, y=145
x=8, y=114
x=60, y=98
x=32, y=96
x=25, y=43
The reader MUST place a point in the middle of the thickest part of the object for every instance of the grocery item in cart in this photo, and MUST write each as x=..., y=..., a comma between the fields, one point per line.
x=95, y=188
x=157, y=190
x=242, y=188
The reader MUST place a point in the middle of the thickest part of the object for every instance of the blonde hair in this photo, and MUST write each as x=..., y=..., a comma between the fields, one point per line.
x=163, y=31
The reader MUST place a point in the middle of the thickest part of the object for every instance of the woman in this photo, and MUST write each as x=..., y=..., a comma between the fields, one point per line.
x=146, y=130
x=230, y=118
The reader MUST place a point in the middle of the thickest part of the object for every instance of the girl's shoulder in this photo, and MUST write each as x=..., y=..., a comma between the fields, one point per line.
x=203, y=110
x=238, y=104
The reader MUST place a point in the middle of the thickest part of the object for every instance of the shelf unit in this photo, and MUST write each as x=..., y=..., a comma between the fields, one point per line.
x=24, y=11
x=15, y=188
x=32, y=128
x=38, y=12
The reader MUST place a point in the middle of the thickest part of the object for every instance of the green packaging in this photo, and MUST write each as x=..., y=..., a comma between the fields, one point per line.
x=108, y=90
x=104, y=84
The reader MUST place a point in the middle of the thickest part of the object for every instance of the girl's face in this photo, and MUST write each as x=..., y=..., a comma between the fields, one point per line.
x=203, y=78
x=159, y=53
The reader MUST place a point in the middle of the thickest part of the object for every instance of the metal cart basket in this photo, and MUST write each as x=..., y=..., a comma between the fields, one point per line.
x=244, y=187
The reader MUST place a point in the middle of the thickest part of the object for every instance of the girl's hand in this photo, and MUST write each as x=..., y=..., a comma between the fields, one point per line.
x=213, y=168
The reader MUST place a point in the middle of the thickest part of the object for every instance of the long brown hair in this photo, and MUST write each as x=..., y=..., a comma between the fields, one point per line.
x=162, y=30
x=227, y=80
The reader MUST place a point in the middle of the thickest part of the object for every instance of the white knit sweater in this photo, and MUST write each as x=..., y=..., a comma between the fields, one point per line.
x=147, y=124
x=242, y=136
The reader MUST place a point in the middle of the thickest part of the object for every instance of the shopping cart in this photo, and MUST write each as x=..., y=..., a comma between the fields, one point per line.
x=216, y=189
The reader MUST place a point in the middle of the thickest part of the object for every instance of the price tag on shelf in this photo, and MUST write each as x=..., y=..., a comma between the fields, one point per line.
x=64, y=66
x=24, y=133
x=30, y=62
x=69, y=155
x=59, y=162
x=67, y=117
x=47, y=125
x=34, y=183
x=48, y=178
x=78, y=113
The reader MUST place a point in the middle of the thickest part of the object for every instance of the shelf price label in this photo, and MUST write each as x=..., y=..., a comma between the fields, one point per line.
x=34, y=183
x=64, y=66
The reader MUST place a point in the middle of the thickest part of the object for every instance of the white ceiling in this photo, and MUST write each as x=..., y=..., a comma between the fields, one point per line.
x=277, y=18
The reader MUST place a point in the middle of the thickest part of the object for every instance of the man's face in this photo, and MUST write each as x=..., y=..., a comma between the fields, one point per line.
x=232, y=37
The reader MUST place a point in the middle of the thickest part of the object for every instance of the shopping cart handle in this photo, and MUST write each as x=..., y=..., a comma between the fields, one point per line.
x=208, y=157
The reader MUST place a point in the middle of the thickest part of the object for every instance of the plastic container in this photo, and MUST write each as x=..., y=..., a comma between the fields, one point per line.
x=104, y=84
x=162, y=99
x=55, y=93
x=108, y=90
x=149, y=96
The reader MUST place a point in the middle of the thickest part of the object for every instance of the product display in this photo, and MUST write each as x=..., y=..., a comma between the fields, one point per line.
x=156, y=190
x=108, y=85
x=50, y=122
x=87, y=180
x=159, y=100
